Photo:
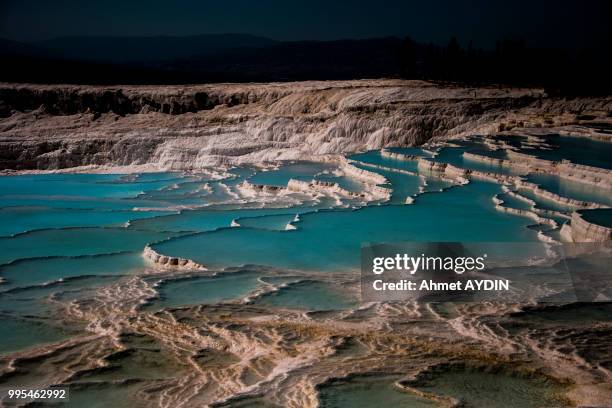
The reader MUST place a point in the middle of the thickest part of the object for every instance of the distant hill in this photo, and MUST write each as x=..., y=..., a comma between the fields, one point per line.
x=15, y=48
x=195, y=59
x=299, y=60
x=249, y=58
x=148, y=49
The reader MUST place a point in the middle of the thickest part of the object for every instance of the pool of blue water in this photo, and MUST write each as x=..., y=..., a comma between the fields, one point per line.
x=75, y=242
x=375, y=157
x=299, y=171
x=37, y=271
x=205, y=289
x=580, y=150
x=321, y=242
x=309, y=295
x=211, y=219
x=454, y=156
x=369, y=391
x=64, y=235
x=16, y=333
x=572, y=189
x=545, y=203
x=81, y=185
x=15, y=220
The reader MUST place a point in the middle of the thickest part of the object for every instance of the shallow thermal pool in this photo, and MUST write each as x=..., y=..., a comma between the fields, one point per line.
x=63, y=237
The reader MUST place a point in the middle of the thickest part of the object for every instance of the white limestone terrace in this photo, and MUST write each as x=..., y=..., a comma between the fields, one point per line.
x=577, y=229
x=210, y=128
x=170, y=261
x=51, y=127
x=574, y=226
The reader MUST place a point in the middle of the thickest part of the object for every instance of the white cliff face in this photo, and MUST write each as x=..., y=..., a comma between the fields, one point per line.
x=194, y=127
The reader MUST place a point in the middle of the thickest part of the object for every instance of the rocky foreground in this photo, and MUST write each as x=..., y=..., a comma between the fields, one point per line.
x=193, y=127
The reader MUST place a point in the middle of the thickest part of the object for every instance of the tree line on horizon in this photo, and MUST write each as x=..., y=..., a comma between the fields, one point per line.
x=512, y=63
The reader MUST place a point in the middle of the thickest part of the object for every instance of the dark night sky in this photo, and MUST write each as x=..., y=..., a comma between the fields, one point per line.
x=541, y=23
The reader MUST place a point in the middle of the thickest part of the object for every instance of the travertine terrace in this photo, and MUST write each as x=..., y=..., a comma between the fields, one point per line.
x=240, y=351
x=193, y=127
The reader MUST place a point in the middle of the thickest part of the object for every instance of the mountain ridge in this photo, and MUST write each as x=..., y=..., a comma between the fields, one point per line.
x=129, y=49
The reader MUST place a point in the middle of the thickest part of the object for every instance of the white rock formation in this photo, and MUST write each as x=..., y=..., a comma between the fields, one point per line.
x=170, y=261
x=193, y=127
